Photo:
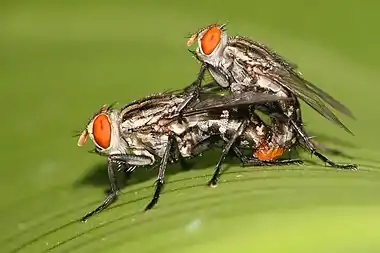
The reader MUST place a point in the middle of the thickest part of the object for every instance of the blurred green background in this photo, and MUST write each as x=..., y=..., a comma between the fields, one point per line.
x=61, y=60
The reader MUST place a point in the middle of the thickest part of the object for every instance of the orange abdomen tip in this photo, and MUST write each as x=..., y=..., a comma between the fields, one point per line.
x=210, y=40
x=102, y=131
x=265, y=154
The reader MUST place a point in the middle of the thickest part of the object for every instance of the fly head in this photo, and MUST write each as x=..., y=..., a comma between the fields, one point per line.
x=103, y=130
x=212, y=41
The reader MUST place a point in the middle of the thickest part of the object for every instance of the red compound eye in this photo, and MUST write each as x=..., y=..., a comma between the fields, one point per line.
x=101, y=129
x=210, y=40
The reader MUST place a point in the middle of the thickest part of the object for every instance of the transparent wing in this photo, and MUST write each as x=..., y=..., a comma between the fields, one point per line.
x=315, y=98
x=212, y=101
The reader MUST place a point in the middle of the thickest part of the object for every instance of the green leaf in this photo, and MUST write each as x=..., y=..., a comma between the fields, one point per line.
x=62, y=61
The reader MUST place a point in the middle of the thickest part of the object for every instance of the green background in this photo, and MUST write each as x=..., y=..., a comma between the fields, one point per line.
x=61, y=60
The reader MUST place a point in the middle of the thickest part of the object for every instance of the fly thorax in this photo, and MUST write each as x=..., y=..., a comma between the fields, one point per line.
x=235, y=62
x=247, y=73
x=265, y=83
x=233, y=54
x=156, y=142
x=135, y=145
x=138, y=121
x=242, y=82
x=215, y=60
x=241, y=75
x=145, y=117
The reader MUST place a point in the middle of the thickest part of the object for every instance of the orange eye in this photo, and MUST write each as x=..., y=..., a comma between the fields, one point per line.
x=210, y=40
x=102, y=131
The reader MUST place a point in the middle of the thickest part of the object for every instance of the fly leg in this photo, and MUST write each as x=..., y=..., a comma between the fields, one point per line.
x=214, y=180
x=309, y=145
x=114, y=190
x=195, y=93
x=161, y=173
x=112, y=195
x=252, y=161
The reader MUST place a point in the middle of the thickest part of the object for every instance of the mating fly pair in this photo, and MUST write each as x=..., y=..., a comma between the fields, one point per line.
x=174, y=126
x=149, y=132
x=241, y=65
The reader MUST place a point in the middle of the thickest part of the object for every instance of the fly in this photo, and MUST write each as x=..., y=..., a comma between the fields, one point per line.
x=240, y=65
x=149, y=132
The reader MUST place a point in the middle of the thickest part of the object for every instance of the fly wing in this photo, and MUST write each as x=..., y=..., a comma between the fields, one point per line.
x=209, y=102
x=285, y=74
x=315, y=98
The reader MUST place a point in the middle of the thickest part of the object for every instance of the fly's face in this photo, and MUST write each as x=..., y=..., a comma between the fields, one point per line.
x=103, y=131
x=212, y=41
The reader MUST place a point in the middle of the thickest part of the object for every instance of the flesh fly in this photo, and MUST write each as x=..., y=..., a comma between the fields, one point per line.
x=241, y=65
x=149, y=132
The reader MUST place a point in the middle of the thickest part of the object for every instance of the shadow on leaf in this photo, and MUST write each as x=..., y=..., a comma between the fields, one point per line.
x=321, y=137
x=98, y=174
